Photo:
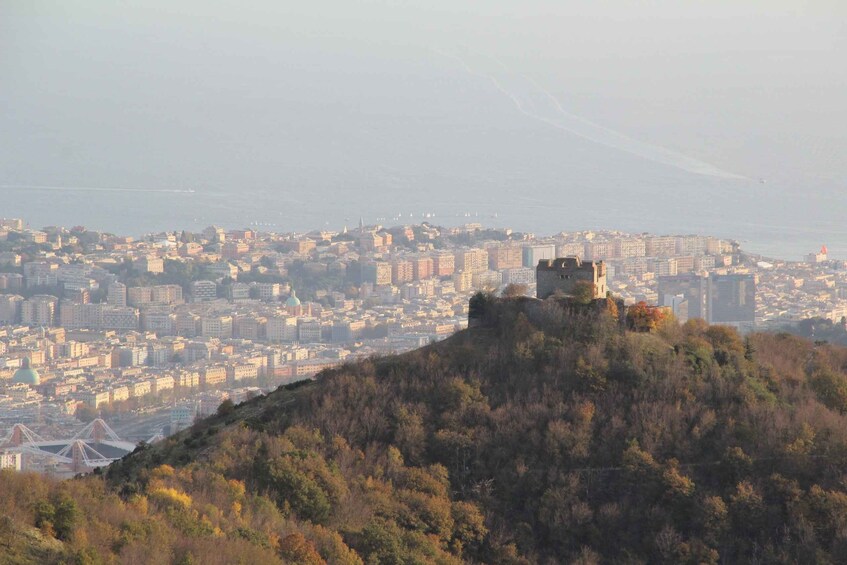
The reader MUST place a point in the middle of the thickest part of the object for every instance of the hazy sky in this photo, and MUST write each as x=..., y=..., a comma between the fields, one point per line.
x=345, y=99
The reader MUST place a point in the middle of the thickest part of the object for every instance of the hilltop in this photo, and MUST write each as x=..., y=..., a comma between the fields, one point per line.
x=546, y=434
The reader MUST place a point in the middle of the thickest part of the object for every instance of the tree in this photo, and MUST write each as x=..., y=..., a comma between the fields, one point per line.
x=381, y=543
x=480, y=306
x=514, y=290
x=45, y=513
x=583, y=292
x=469, y=525
x=830, y=388
x=643, y=318
x=65, y=517
x=226, y=408
x=297, y=549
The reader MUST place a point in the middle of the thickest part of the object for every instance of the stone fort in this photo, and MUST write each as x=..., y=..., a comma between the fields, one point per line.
x=563, y=273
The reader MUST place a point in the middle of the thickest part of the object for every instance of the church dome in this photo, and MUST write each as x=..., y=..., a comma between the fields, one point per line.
x=292, y=301
x=26, y=374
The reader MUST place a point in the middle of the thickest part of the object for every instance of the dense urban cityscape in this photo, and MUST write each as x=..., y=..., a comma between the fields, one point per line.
x=150, y=333
x=430, y=283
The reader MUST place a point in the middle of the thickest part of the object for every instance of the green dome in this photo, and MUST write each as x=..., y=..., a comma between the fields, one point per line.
x=292, y=301
x=26, y=374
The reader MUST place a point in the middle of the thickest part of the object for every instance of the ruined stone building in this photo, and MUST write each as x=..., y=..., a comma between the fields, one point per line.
x=561, y=274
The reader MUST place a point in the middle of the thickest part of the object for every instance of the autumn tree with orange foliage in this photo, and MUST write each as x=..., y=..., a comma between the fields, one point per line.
x=297, y=549
x=642, y=317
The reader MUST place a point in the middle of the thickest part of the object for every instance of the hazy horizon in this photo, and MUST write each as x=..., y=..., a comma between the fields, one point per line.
x=552, y=116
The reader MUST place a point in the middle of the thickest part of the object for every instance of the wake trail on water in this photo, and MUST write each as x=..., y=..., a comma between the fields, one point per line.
x=553, y=114
x=94, y=189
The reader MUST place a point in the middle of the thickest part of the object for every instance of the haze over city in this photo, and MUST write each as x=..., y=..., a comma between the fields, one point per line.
x=718, y=118
x=534, y=282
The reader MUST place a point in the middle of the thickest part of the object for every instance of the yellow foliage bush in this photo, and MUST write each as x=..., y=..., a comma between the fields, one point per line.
x=170, y=496
x=163, y=471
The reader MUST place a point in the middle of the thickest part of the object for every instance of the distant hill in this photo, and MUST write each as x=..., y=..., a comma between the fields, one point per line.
x=546, y=434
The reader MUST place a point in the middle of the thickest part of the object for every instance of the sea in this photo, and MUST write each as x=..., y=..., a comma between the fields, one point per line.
x=433, y=135
x=542, y=210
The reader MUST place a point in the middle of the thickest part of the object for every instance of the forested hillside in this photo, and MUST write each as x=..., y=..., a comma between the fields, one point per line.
x=547, y=434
